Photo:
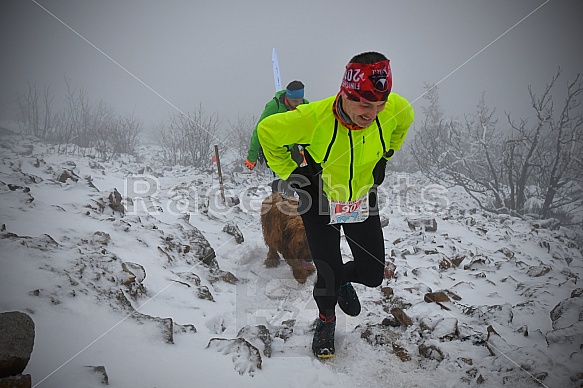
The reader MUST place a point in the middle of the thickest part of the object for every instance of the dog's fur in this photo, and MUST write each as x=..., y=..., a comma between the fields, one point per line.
x=283, y=232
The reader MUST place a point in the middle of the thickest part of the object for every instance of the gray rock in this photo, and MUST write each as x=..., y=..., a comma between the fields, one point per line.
x=18, y=381
x=232, y=229
x=16, y=342
x=427, y=224
x=101, y=373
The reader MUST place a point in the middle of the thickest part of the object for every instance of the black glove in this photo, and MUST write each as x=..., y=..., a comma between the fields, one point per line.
x=378, y=172
x=297, y=154
x=260, y=156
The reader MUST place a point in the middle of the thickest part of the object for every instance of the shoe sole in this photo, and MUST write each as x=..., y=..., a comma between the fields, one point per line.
x=347, y=313
x=325, y=356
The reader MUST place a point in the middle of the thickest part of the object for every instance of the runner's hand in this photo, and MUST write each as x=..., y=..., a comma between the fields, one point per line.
x=250, y=165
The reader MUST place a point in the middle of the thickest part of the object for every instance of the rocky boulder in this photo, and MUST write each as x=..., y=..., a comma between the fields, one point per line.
x=16, y=343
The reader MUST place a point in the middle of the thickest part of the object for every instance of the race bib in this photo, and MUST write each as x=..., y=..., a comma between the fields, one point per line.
x=348, y=212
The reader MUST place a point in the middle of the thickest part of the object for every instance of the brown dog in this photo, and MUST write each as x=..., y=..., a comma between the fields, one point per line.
x=283, y=232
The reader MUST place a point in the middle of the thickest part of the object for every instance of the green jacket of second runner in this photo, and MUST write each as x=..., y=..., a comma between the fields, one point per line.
x=275, y=105
x=347, y=157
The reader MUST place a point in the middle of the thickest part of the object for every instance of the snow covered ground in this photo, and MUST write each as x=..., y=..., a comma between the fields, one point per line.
x=161, y=294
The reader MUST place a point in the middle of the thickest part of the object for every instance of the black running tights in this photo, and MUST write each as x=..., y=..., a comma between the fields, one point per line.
x=366, y=243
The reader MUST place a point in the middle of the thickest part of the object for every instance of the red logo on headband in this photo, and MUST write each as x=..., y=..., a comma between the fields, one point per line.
x=369, y=82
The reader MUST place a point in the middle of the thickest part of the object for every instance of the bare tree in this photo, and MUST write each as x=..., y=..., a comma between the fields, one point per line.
x=35, y=111
x=103, y=126
x=127, y=136
x=190, y=138
x=73, y=121
x=170, y=140
x=461, y=154
x=559, y=159
x=79, y=124
x=528, y=168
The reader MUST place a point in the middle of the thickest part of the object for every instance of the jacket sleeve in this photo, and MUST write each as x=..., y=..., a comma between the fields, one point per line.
x=277, y=131
x=405, y=117
x=254, y=145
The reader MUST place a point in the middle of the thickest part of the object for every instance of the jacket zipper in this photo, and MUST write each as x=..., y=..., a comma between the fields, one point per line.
x=351, y=175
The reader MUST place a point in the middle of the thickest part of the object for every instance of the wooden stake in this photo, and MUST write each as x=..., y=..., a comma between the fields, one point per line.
x=220, y=174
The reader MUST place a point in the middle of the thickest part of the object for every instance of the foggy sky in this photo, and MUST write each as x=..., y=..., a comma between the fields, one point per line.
x=218, y=53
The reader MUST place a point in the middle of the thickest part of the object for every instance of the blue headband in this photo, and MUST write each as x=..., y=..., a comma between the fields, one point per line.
x=294, y=93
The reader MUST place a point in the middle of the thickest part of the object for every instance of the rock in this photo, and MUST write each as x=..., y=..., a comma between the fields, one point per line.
x=550, y=223
x=95, y=166
x=245, y=356
x=567, y=313
x=16, y=342
x=429, y=323
x=204, y=293
x=538, y=270
x=401, y=317
x=89, y=182
x=101, y=373
x=200, y=248
x=232, y=229
x=401, y=352
x=431, y=352
x=18, y=381
x=115, y=202
x=67, y=174
x=446, y=329
x=390, y=269
x=495, y=344
x=439, y=296
x=132, y=276
x=390, y=322
x=427, y=224
x=453, y=295
x=445, y=264
x=506, y=252
x=223, y=276
x=379, y=334
x=133, y=272
x=16, y=187
x=387, y=292
x=190, y=277
x=457, y=260
x=466, y=360
x=286, y=330
x=478, y=263
x=165, y=324
x=260, y=333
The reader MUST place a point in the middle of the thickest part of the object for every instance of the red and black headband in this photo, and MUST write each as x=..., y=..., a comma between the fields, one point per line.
x=367, y=82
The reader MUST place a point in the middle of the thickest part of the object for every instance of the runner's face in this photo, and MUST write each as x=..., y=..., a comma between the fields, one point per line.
x=362, y=113
x=294, y=102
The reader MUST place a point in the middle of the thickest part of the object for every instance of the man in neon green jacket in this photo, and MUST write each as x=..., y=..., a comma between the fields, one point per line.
x=284, y=101
x=347, y=139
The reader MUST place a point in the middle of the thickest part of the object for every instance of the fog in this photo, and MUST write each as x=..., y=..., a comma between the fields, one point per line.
x=156, y=58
